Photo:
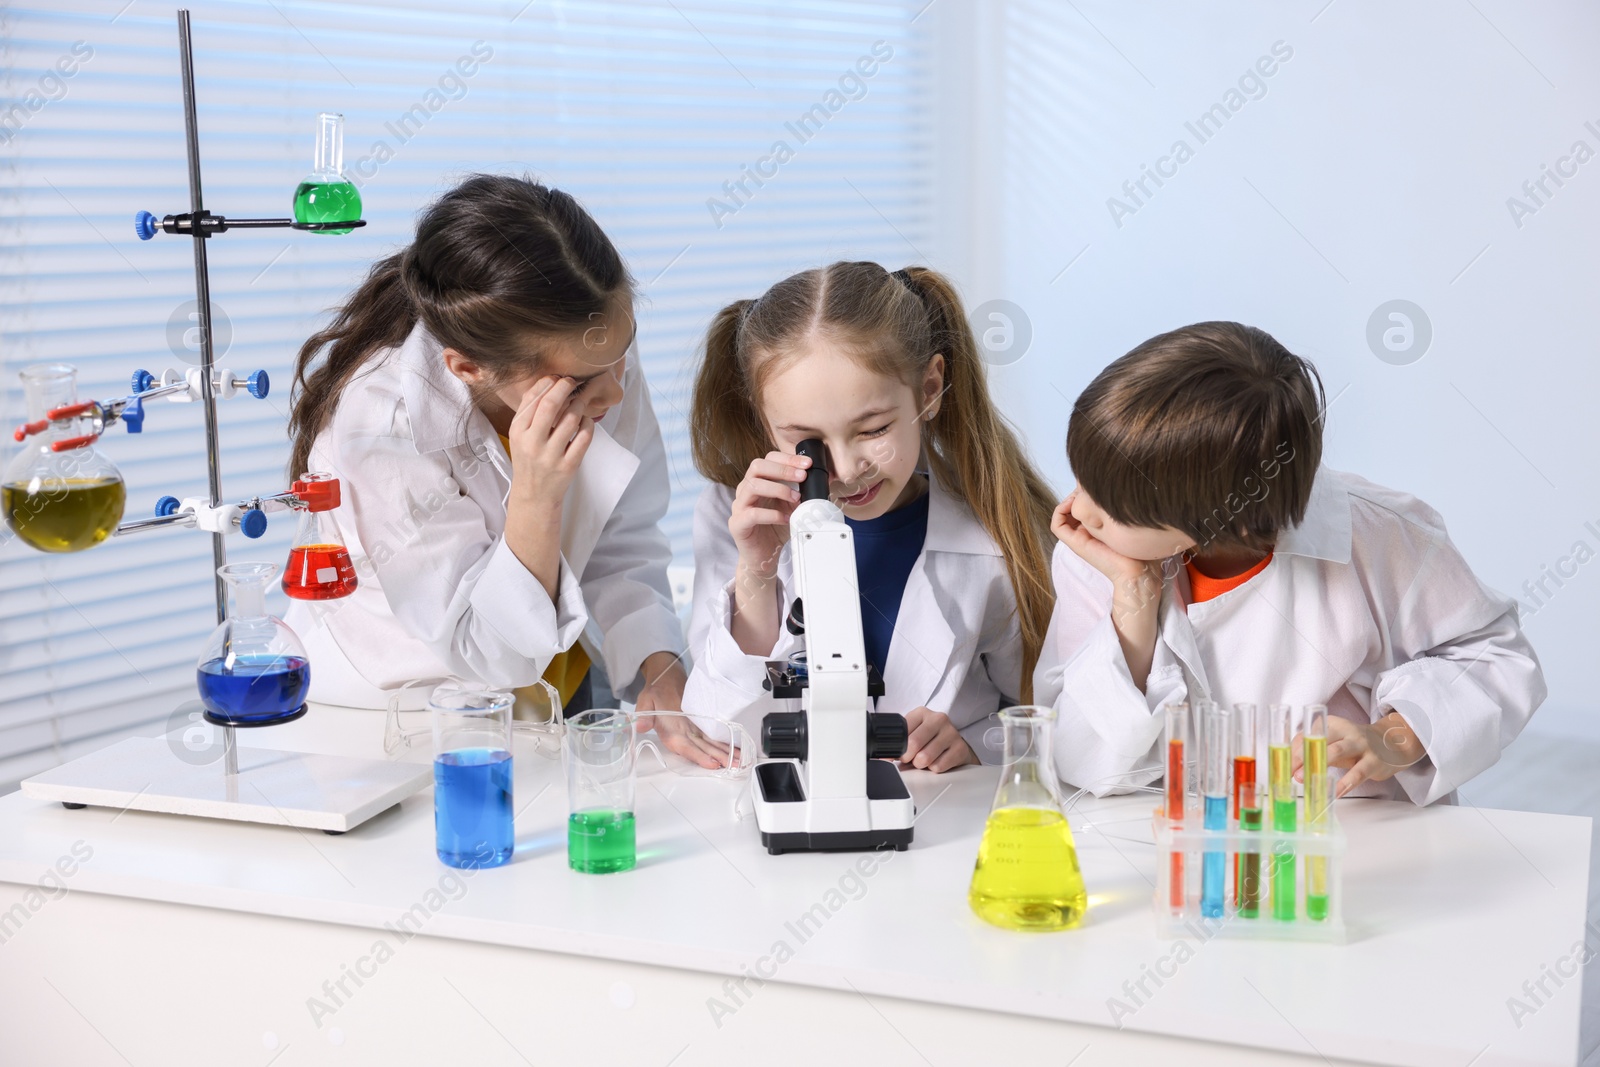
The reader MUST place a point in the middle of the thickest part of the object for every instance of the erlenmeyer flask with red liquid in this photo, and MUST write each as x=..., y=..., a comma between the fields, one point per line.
x=319, y=564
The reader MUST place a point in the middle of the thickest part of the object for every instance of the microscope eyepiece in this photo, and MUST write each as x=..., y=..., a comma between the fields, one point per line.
x=815, y=487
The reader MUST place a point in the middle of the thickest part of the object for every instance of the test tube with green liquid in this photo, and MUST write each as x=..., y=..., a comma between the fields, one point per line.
x=1316, y=768
x=1280, y=733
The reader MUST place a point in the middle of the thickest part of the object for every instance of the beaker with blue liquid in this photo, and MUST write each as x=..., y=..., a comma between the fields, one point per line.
x=253, y=671
x=472, y=814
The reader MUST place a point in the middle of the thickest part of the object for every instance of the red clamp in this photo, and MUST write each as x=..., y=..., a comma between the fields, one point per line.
x=318, y=495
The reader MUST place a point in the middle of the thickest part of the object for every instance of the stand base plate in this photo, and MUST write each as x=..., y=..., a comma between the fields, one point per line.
x=301, y=789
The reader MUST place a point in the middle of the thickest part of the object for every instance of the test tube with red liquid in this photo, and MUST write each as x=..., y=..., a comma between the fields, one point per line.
x=1177, y=752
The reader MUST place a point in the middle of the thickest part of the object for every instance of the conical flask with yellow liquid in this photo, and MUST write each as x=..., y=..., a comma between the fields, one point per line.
x=1027, y=875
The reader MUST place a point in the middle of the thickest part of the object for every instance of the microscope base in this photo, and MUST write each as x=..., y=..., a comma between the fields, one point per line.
x=782, y=812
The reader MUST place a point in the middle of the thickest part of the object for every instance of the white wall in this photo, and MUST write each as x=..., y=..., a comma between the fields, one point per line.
x=1376, y=166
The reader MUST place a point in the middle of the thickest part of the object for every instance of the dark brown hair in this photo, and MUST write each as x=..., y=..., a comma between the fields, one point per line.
x=498, y=263
x=893, y=324
x=1214, y=429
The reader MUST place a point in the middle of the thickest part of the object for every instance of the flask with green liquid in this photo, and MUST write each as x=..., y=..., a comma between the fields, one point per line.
x=1027, y=875
x=327, y=195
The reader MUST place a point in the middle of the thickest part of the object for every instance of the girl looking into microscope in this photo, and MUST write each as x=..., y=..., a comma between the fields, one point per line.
x=950, y=519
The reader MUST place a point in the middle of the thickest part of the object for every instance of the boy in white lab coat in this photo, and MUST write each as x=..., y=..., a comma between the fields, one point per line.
x=1207, y=555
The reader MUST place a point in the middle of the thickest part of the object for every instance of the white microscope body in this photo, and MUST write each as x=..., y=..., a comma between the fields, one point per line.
x=831, y=784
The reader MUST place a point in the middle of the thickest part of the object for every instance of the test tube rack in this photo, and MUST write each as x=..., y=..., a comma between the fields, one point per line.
x=1191, y=842
x=305, y=790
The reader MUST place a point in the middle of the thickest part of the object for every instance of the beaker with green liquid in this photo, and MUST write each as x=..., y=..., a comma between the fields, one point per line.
x=600, y=757
x=1027, y=876
x=326, y=195
x=59, y=493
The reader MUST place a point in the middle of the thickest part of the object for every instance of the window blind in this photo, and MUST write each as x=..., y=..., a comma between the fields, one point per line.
x=721, y=145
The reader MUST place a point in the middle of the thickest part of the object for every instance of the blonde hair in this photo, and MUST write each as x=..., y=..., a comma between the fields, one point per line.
x=892, y=324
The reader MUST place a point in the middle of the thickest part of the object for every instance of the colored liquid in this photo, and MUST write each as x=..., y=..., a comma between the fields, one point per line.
x=64, y=514
x=472, y=807
x=254, y=689
x=1247, y=879
x=1213, y=872
x=601, y=842
x=1283, y=820
x=319, y=572
x=1027, y=875
x=1175, y=814
x=327, y=202
x=1244, y=786
x=1316, y=819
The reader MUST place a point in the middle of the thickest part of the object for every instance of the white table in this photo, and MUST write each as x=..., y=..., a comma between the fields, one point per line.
x=181, y=940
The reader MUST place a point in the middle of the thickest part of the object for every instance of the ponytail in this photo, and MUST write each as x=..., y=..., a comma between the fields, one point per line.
x=378, y=315
x=893, y=324
x=976, y=454
x=726, y=424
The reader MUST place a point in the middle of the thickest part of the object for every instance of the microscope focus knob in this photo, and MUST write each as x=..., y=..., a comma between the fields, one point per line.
x=783, y=735
x=887, y=734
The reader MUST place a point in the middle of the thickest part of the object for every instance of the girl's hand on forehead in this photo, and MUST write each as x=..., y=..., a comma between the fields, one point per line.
x=762, y=504
x=549, y=437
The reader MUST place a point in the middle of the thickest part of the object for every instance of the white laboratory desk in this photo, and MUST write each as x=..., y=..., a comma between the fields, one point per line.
x=180, y=941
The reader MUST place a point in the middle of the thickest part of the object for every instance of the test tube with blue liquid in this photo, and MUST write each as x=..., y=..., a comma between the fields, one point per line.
x=1215, y=750
x=472, y=812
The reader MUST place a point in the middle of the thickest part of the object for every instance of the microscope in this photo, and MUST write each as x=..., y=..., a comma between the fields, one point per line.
x=828, y=784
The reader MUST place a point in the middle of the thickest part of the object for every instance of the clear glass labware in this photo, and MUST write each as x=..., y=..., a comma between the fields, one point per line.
x=319, y=567
x=472, y=782
x=254, y=670
x=59, y=493
x=1027, y=875
x=326, y=195
x=601, y=761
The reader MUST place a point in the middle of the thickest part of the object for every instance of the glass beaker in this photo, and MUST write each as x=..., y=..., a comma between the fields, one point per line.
x=253, y=671
x=319, y=567
x=472, y=814
x=600, y=758
x=326, y=195
x=1027, y=876
x=59, y=493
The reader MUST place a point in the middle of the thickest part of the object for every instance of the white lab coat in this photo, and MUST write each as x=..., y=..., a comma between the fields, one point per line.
x=1366, y=607
x=956, y=648
x=424, y=479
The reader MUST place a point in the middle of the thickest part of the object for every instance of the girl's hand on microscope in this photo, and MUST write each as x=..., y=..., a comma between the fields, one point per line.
x=934, y=743
x=762, y=504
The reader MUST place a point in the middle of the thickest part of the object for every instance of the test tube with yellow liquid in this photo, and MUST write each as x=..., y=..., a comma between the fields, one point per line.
x=1317, y=804
x=1027, y=876
x=1280, y=734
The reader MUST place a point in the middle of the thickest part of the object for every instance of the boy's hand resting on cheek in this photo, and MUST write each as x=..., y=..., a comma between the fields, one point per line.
x=1125, y=574
x=1374, y=752
x=934, y=743
x=1135, y=589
